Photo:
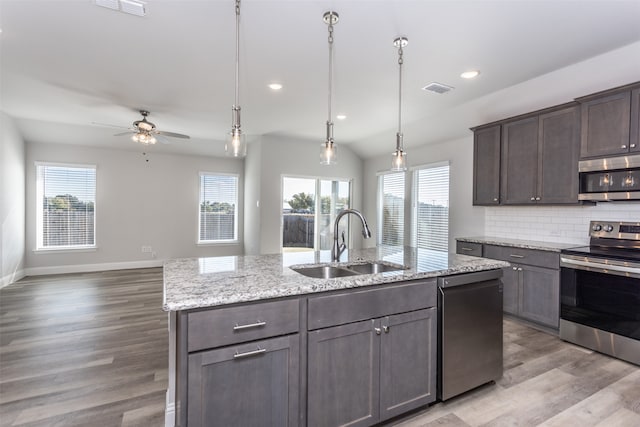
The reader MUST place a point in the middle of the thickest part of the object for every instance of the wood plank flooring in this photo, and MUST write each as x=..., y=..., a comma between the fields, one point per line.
x=91, y=349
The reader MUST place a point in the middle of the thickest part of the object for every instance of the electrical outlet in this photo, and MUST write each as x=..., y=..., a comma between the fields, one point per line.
x=146, y=249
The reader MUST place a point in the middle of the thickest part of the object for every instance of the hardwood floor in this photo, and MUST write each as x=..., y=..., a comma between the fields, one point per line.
x=91, y=349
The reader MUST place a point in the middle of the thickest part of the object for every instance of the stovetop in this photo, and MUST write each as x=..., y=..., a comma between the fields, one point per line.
x=605, y=252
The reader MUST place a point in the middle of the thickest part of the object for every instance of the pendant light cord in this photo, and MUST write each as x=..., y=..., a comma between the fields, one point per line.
x=237, y=93
x=400, y=62
x=330, y=39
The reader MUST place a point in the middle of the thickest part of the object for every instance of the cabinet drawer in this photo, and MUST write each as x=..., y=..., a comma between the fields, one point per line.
x=220, y=327
x=468, y=248
x=523, y=256
x=338, y=309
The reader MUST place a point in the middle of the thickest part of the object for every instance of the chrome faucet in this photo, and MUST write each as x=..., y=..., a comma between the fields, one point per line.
x=337, y=249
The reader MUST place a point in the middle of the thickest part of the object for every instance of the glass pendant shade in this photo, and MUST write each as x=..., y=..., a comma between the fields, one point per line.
x=328, y=153
x=399, y=162
x=236, y=145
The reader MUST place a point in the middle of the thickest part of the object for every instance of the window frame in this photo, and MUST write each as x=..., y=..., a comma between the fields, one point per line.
x=414, y=199
x=39, y=194
x=220, y=242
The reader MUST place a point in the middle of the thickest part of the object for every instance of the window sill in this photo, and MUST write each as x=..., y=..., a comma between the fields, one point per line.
x=219, y=243
x=42, y=251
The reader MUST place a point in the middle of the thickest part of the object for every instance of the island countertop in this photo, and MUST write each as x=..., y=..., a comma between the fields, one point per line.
x=207, y=282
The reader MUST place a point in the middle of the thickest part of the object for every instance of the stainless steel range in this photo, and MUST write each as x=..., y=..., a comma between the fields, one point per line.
x=600, y=291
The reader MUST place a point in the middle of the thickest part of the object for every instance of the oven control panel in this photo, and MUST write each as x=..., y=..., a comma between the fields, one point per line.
x=615, y=230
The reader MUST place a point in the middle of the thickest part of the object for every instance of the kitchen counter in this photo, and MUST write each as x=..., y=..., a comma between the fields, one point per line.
x=517, y=243
x=207, y=282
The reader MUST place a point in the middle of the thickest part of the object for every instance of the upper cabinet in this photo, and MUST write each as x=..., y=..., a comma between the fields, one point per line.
x=610, y=123
x=530, y=160
x=486, y=166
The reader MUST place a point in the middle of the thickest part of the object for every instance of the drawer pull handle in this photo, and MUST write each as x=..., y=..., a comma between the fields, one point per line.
x=516, y=256
x=249, y=353
x=467, y=249
x=258, y=324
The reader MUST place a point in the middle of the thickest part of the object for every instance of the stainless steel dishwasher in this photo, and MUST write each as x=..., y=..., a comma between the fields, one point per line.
x=469, y=331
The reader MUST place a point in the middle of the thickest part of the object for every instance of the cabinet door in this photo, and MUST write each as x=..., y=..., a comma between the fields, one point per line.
x=486, y=166
x=558, y=153
x=519, y=161
x=343, y=375
x=634, y=138
x=408, y=362
x=540, y=295
x=253, y=384
x=606, y=125
x=510, y=283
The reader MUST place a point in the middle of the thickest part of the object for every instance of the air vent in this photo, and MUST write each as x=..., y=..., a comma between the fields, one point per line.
x=437, y=87
x=132, y=7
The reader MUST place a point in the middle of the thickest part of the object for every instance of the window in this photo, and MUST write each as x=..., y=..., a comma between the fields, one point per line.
x=431, y=196
x=391, y=208
x=218, y=219
x=307, y=219
x=66, y=208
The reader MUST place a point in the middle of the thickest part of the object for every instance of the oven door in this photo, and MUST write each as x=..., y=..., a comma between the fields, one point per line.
x=600, y=306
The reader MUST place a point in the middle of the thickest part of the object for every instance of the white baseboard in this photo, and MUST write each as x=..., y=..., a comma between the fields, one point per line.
x=84, y=268
x=10, y=278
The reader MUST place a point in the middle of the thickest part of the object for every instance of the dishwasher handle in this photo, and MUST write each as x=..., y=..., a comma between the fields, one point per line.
x=468, y=278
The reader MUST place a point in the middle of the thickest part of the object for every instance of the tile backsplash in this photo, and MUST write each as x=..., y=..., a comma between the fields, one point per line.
x=562, y=224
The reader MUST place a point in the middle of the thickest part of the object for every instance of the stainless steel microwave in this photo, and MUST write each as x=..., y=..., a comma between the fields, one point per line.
x=614, y=178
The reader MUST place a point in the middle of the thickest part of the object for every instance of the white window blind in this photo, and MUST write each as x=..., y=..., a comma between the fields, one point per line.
x=391, y=209
x=66, y=208
x=218, y=208
x=432, y=207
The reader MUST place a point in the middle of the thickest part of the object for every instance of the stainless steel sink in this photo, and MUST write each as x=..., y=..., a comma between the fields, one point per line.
x=325, y=272
x=330, y=271
x=374, y=268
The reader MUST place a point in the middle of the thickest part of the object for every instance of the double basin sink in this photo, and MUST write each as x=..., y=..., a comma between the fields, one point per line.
x=355, y=269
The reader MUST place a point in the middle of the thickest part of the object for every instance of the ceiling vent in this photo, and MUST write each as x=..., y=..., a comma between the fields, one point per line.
x=132, y=7
x=437, y=87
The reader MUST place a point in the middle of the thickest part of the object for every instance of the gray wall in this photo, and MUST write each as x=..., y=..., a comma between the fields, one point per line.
x=149, y=200
x=464, y=219
x=12, y=202
x=278, y=156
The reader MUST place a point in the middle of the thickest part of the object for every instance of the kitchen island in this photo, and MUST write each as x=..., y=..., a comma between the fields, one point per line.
x=249, y=335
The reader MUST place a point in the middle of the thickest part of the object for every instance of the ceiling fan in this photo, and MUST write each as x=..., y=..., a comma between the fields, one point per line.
x=145, y=132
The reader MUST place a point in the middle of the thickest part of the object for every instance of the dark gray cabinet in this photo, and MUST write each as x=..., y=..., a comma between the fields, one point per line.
x=531, y=286
x=253, y=384
x=540, y=158
x=610, y=122
x=365, y=372
x=486, y=165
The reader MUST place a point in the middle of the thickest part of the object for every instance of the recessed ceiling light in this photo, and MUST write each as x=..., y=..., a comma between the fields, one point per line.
x=470, y=74
x=341, y=117
x=275, y=86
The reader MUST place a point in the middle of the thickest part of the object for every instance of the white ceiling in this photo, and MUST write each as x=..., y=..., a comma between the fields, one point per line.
x=67, y=64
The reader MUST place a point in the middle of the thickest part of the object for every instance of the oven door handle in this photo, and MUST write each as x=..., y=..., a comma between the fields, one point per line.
x=599, y=267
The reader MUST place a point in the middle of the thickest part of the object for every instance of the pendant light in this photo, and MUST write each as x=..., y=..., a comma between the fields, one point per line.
x=399, y=162
x=328, y=150
x=236, y=145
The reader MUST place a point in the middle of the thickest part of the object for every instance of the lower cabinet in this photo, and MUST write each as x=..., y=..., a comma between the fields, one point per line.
x=365, y=372
x=257, y=383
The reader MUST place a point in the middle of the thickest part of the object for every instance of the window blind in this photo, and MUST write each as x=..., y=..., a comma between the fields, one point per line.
x=432, y=207
x=66, y=213
x=391, y=209
x=218, y=208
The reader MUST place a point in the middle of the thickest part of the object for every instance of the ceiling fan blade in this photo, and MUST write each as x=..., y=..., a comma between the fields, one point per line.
x=109, y=125
x=162, y=140
x=171, y=134
x=125, y=133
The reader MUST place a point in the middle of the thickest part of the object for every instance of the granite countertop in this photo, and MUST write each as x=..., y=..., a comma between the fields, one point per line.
x=517, y=243
x=206, y=282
